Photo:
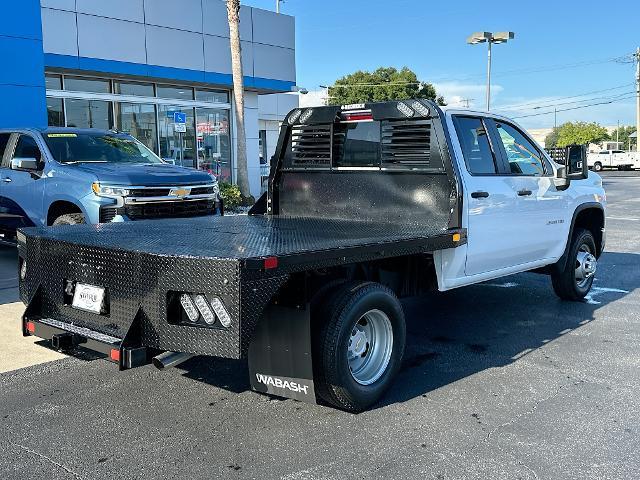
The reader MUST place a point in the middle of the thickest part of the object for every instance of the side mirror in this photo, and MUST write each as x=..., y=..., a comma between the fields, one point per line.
x=576, y=163
x=25, y=164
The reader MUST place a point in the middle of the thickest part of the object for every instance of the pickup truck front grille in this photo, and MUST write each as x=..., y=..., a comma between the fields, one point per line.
x=164, y=191
x=178, y=209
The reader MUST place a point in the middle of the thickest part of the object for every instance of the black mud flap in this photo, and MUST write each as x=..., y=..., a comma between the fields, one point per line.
x=280, y=354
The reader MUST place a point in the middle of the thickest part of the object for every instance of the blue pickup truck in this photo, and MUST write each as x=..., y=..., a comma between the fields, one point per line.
x=62, y=176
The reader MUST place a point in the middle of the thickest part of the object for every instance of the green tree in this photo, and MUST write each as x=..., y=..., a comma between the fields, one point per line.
x=385, y=83
x=623, y=135
x=551, y=140
x=581, y=133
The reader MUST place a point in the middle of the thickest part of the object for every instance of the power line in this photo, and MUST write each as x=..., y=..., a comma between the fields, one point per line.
x=547, y=68
x=576, y=108
x=537, y=102
x=557, y=104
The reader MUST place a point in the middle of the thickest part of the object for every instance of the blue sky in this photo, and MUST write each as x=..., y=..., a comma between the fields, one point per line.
x=562, y=49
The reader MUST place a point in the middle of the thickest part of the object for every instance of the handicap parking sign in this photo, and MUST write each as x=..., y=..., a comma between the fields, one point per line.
x=180, y=122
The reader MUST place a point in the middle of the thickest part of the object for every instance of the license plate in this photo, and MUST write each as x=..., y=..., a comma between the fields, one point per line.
x=88, y=298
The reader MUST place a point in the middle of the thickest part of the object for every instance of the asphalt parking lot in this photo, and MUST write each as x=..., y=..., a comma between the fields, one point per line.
x=501, y=380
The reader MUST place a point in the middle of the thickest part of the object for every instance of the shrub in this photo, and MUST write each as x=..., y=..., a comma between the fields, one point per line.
x=230, y=193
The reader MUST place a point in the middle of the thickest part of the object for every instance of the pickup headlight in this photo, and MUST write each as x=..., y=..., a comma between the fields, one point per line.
x=109, y=191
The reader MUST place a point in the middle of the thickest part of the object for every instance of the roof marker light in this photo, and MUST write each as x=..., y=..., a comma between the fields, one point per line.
x=420, y=108
x=306, y=115
x=294, y=116
x=404, y=109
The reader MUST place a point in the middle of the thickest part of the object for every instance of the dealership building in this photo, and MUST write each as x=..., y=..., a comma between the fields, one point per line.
x=131, y=65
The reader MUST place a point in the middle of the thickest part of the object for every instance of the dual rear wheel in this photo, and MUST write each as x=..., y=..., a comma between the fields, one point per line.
x=358, y=343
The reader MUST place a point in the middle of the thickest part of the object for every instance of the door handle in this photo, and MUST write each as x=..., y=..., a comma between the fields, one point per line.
x=524, y=193
x=7, y=180
x=479, y=194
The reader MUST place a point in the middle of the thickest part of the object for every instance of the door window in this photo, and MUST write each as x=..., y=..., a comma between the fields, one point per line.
x=476, y=148
x=27, y=148
x=523, y=157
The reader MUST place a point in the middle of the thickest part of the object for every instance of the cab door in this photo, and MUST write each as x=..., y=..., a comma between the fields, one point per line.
x=540, y=205
x=492, y=215
x=22, y=191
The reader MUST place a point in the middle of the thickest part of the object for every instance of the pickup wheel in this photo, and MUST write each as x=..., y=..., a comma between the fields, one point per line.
x=358, y=344
x=69, y=219
x=597, y=167
x=574, y=282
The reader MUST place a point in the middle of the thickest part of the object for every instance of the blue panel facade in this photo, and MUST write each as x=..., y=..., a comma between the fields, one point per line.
x=165, y=40
x=22, y=80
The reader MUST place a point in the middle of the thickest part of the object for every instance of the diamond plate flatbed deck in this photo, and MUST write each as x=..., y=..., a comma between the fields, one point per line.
x=293, y=240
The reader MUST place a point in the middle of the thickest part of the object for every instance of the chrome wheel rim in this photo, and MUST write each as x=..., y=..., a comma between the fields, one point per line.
x=369, y=347
x=586, y=265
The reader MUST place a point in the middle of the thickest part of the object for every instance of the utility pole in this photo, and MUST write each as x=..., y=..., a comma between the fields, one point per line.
x=465, y=102
x=637, y=55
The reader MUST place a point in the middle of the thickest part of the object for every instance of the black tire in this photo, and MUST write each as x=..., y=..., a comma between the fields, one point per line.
x=597, y=167
x=335, y=320
x=69, y=219
x=564, y=282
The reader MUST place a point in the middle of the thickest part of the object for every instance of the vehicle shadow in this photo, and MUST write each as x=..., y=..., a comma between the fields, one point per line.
x=452, y=335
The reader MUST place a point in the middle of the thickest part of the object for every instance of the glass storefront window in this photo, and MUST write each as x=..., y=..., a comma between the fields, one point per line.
x=212, y=96
x=139, y=120
x=133, y=88
x=178, y=93
x=53, y=82
x=170, y=148
x=55, y=113
x=214, y=144
x=89, y=113
x=81, y=84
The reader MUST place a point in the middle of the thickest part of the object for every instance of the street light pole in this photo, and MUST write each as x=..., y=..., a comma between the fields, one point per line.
x=489, y=38
x=637, y=55
x=489, y=75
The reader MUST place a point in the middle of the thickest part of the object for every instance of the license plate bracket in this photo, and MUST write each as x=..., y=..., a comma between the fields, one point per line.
x=88, y=298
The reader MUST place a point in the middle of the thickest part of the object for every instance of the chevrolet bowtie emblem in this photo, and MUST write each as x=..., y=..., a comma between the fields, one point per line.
x=180, y=192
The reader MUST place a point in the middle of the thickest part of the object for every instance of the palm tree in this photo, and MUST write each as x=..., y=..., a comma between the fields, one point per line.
x=233, y=15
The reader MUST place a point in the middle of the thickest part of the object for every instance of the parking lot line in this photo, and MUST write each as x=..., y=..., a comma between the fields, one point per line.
x=17, y=351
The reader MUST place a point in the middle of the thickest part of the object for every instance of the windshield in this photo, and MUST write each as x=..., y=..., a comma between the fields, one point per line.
x=98, y=148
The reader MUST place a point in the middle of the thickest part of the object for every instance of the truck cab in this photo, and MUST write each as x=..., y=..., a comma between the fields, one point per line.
x=519, y=215
x=65, y=176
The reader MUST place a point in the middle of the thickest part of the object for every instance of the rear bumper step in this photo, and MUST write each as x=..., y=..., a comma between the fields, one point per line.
x=65, y=336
